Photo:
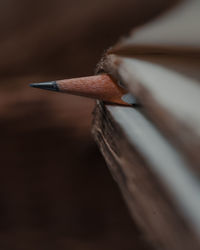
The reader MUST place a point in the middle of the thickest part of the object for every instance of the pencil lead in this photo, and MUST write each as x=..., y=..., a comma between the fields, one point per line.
x=46, y=85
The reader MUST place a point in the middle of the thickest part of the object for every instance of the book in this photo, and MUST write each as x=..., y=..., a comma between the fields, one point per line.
x=153, y=150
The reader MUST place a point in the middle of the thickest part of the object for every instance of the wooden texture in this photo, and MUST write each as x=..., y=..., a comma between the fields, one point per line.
x=97, y=87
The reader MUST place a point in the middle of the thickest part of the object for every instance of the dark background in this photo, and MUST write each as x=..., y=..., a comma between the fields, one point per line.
x=55, y=189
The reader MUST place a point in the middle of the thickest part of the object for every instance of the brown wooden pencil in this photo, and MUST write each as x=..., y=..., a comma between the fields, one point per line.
x=100, y=87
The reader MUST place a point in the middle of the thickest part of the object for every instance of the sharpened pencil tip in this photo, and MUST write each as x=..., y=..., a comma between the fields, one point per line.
x=46, y=85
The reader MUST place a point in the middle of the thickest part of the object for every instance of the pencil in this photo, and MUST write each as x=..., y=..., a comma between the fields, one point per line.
x=100, y=87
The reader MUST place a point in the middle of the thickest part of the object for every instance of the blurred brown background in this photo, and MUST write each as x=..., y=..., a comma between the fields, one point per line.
x=55, y=190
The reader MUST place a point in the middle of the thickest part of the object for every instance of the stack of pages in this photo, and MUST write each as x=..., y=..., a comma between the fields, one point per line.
x=153, y=149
